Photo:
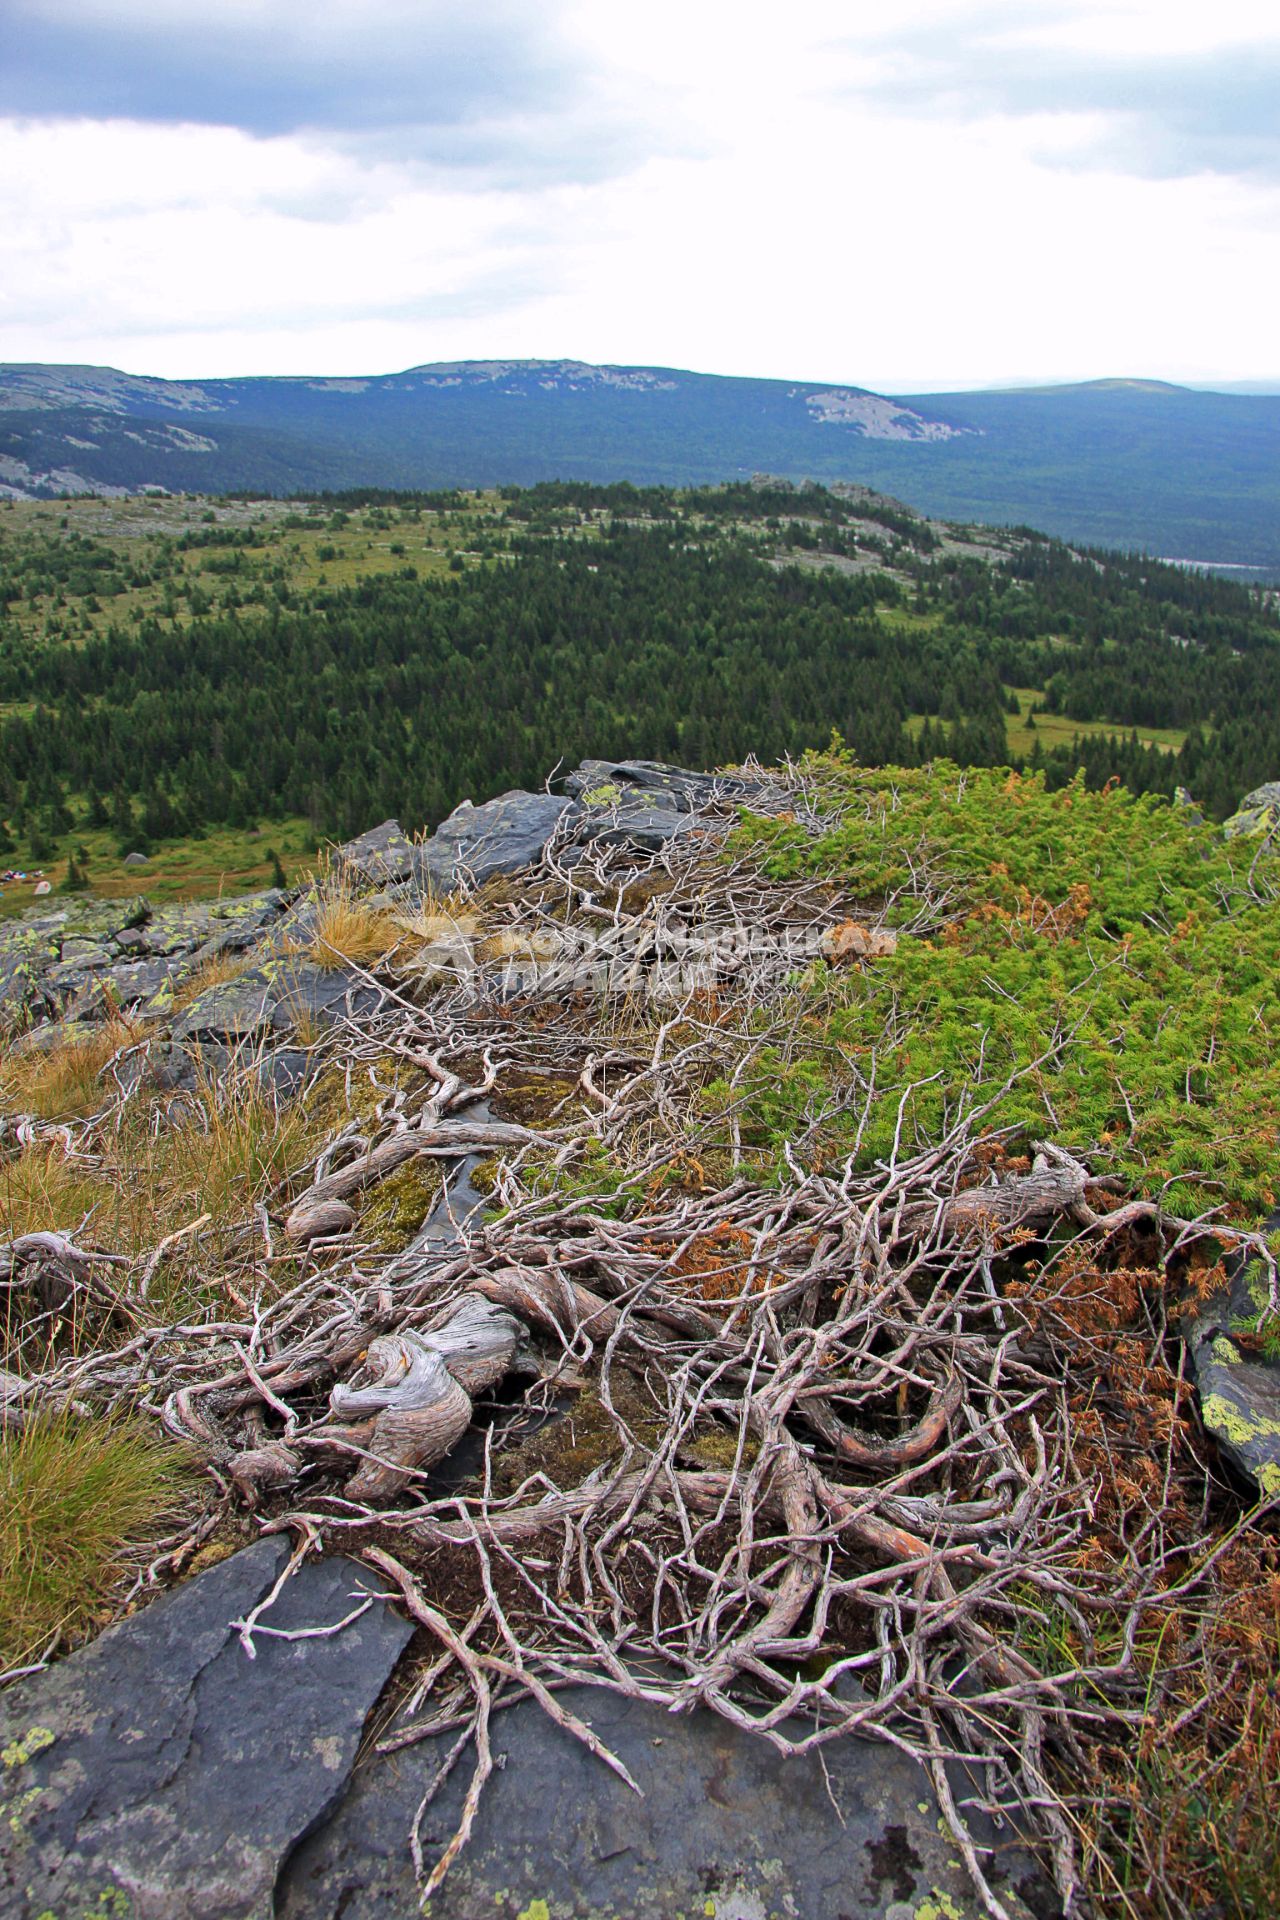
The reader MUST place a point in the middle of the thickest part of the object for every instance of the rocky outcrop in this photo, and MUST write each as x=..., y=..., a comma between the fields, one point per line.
x=90, y=956
x=164, y=1772
x=723, y=1828
x=481, y=843
x=1258, y=813
x=80, y=961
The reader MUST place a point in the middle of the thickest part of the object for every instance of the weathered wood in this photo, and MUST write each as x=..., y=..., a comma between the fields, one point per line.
x=443, y=1139
x=549, y=1300
x=1022, y=1200
x=261, y=1469
x=13, y=1391
x=478, y=1342
x=901, y=1450
x=420, y=1413
x=318, y=1222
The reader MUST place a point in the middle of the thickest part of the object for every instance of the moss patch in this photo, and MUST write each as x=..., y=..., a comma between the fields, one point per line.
x=532, y=1098
x=568, y=1449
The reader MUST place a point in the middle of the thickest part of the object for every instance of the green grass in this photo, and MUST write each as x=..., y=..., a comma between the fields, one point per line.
x=75, y=1496
x=229, y=861
x=1050, y=729
x=1056, y=730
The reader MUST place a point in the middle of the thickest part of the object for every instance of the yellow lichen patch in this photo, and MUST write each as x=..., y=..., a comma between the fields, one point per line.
x=1234, y=1424
x=19, y=1751
x=939, y=1907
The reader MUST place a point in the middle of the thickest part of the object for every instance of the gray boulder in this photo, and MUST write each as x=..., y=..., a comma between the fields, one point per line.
x=1258, y=813
x=161, y=1774
x=479, y=843
x=686, y=788
x=270, y=1001
x=646, y=824
x=22, y=994
x=378, y=858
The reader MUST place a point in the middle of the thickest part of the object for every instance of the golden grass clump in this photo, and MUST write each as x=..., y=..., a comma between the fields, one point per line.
x=74, y=1497
x=229, y=1151
x=228, y=1147
x=43, y=1191
x=66, y=1080
x=348, y=929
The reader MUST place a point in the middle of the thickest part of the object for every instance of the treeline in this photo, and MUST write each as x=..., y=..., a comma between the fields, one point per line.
x=670, y=627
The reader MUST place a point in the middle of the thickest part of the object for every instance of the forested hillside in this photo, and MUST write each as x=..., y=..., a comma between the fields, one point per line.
x=169, y=668
x=1130, y=463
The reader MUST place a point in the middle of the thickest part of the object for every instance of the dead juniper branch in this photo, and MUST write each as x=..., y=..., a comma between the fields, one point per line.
x=832, y=1448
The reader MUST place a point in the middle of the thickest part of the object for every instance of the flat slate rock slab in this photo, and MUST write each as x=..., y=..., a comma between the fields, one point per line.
x=272, y=1000
x=160, y=1774
x=726, y=1828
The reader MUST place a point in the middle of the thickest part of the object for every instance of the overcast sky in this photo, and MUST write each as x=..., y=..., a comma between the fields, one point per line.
x=910, y=196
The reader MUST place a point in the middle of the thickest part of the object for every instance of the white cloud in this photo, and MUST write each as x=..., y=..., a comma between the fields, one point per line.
x=792, y=197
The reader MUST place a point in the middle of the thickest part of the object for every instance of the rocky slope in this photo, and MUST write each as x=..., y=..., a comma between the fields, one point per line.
x=673, y=1453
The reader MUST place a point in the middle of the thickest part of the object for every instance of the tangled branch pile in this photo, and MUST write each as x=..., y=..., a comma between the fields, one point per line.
x=897, y=1447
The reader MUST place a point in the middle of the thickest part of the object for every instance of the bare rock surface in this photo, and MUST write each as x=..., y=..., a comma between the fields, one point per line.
x=479, y=843
x=161, y=1774
x=726, y=1827
x=1239, y=1389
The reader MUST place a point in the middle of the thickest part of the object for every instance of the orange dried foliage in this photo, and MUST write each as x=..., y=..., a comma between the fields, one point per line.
x=716, y=1266
x=852, y=940
x=1190, y=1806
x=1033, y=915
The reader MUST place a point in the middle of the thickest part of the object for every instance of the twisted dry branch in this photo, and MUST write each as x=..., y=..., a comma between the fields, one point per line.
x=819, y=1452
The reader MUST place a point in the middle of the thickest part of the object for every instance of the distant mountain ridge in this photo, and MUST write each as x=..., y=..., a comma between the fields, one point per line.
x=1125, y=462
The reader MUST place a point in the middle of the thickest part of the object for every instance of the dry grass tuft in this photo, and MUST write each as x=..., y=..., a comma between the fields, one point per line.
x=43, y=1191
x=65, y=1081
x=74, y=1496
x=347, y=929
x=216, y=971
x=226, y=1148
